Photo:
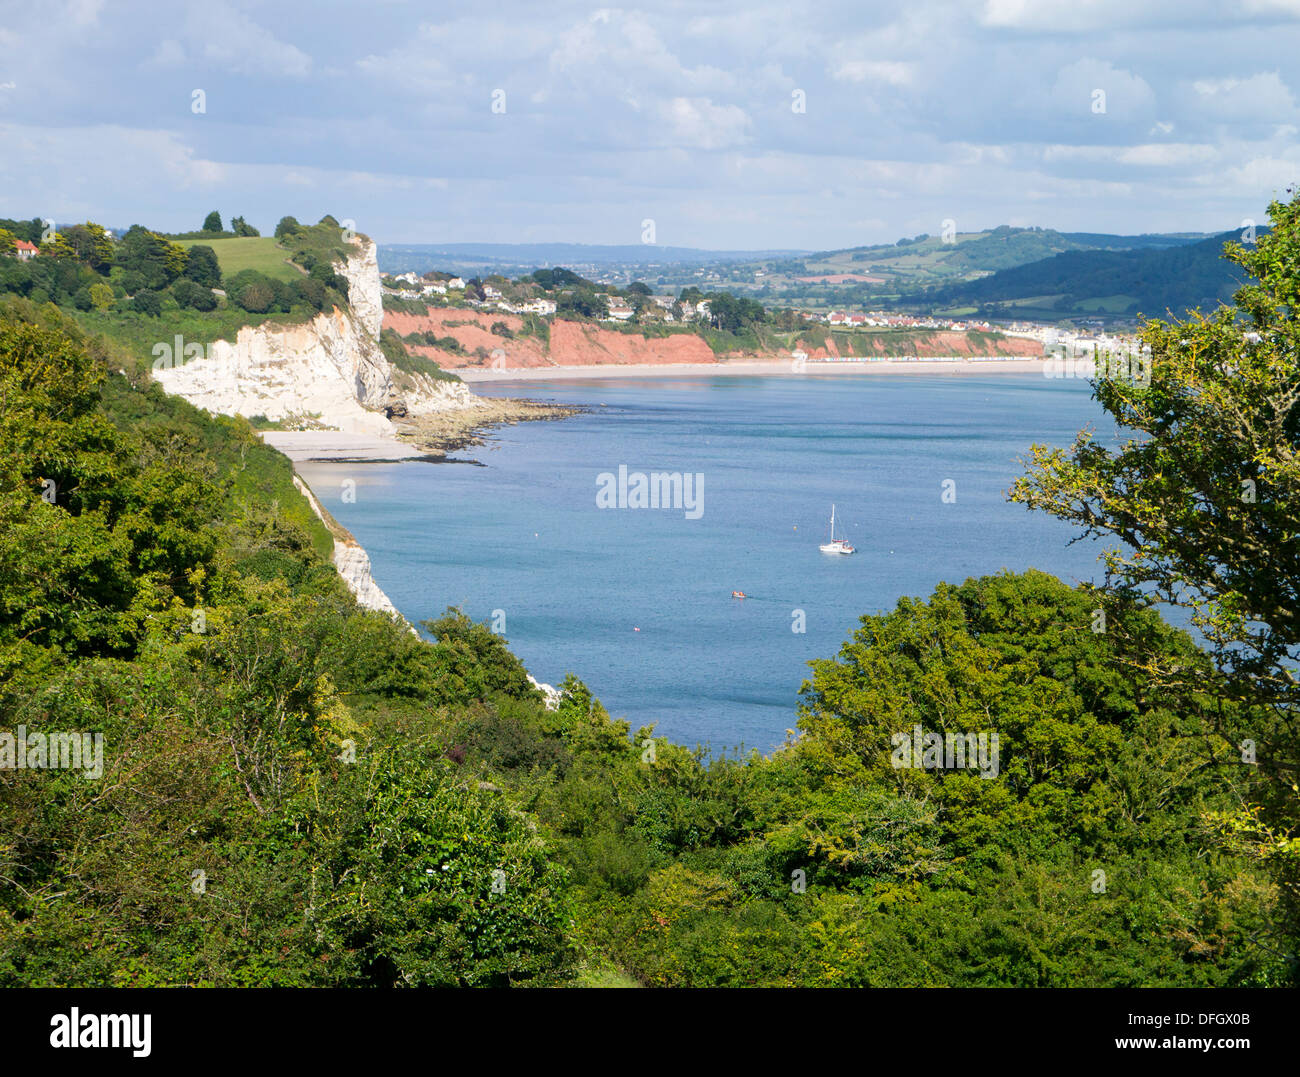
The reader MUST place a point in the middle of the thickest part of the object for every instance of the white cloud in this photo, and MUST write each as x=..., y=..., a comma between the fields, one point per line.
x=84, y=12
x=1272, y=7
x=1165, y=154
x=228, y=37
x=169, y=53
x=1264, y=176
x=1263, y=97
x=1127, y=96
x=893, y=72
x=699, y=123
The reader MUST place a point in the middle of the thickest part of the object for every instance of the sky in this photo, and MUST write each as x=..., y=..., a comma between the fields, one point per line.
x=739, y=124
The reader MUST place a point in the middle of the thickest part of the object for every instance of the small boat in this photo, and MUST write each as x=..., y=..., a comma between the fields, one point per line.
x=835, y=545
x=737, y=594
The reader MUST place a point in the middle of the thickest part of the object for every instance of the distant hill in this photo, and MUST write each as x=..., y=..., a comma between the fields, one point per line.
x=928, y=259
x=1107, y=284
x=881, y=274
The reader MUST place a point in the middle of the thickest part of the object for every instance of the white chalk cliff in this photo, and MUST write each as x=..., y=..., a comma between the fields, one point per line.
x=330, y=367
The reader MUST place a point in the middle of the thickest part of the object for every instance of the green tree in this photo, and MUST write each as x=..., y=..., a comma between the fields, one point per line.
x=1205, y=501
x=189, y=294
x=202, y=267
x=157, y=260
x=242, y=228
x=101, y=296
x=212, y=222
x=92, y=244
x=148, y=302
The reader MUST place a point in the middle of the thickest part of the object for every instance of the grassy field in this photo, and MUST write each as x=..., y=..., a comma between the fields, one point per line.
x=262, y=253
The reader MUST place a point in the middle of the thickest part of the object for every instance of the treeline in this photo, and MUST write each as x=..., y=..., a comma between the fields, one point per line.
x=83, y=267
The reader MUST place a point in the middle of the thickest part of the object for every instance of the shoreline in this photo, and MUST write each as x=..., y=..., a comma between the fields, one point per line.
x=431, y=437
x=427, y=437
x=754, y=368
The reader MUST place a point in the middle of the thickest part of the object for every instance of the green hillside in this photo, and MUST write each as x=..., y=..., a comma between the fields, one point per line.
x=1116, y=284
x=922, y=262
x=261, y=253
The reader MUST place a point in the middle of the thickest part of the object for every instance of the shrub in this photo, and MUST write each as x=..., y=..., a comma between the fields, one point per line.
x=194, y=296
x=147, y=302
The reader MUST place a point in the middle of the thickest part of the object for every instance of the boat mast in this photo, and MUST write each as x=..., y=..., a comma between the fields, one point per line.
x=832, y=521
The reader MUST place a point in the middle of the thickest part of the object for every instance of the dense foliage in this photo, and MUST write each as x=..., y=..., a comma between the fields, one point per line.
x=278, y=804
x=1203, y=500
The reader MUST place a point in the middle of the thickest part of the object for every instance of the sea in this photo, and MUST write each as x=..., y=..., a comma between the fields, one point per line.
x=542, y=532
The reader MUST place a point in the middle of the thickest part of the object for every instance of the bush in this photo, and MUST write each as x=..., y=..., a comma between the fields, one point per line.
x=195, y=297
x=147, y=302
x=203, y=268
x=311, y=291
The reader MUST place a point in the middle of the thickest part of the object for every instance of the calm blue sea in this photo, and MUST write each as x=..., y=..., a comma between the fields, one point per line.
x=637, y=602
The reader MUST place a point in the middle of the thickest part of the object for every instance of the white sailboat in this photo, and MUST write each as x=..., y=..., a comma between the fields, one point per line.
x=835, y=545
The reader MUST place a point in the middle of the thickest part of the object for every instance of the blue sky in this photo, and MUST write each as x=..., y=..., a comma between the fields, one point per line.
x=684, y=114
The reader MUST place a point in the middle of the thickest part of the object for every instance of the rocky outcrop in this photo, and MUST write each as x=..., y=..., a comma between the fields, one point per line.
x=365, y=293
x=330, y=367
x=550, y=694
x=353, y=564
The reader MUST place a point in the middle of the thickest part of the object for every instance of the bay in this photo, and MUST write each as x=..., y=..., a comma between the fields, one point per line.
x=637, y=602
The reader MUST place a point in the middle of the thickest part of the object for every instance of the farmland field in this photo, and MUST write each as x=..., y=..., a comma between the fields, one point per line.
x=262, y=253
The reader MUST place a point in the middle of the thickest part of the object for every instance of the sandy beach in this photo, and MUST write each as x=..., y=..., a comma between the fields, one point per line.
x=423, y=437
x=782, y=368
x=299, y=445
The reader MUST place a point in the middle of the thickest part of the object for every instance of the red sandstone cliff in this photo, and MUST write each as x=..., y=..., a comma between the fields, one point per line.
x=583, y=344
